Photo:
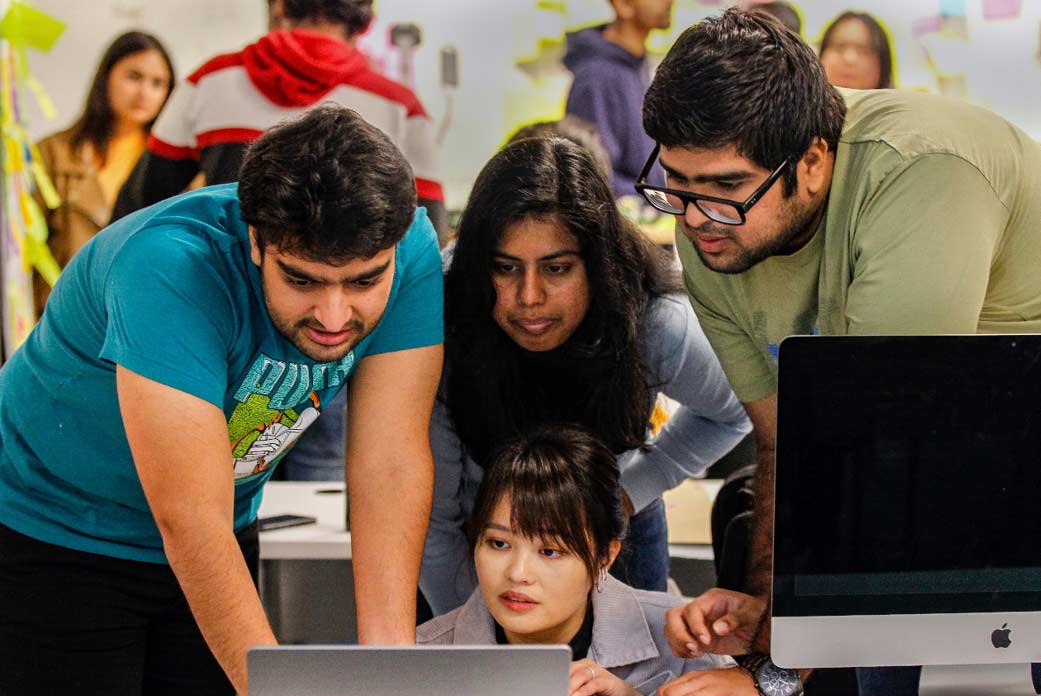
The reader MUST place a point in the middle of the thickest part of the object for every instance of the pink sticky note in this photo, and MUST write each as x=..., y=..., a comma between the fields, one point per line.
x=1001, y=9
x=926, y=25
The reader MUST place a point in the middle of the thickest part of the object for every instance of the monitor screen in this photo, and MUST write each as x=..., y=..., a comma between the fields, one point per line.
x=909, y=480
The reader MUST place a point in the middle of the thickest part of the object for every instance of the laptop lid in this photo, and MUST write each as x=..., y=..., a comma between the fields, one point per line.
x=421, y=670
x=908, y=501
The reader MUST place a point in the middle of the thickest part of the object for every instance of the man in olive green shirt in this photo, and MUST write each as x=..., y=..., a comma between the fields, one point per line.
x=805, y=209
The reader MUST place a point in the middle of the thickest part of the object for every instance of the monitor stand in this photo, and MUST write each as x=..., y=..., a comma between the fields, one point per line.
x=976, y=680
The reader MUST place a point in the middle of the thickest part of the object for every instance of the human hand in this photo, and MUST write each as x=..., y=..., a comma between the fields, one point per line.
x=590, y=679
x=711, y=682
x=719, y=621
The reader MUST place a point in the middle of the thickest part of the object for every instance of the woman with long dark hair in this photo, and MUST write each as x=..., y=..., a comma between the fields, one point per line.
x=856, y=53
x=547, y=523
x=559, y=311
x=89, y=161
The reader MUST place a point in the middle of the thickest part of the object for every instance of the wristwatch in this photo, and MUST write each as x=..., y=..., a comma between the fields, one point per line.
x=771, y=680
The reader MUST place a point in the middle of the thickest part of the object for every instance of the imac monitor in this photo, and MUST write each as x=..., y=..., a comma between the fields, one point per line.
x=908, y=501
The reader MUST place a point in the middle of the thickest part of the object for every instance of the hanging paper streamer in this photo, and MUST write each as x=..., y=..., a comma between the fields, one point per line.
x=23, y=230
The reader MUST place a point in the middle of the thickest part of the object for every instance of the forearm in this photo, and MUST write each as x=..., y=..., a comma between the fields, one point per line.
x=759, y=577
x=686, y=446
x=217, y=584
x=389, y=514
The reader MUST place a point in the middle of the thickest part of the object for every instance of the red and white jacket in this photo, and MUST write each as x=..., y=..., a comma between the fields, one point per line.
x=233, y=98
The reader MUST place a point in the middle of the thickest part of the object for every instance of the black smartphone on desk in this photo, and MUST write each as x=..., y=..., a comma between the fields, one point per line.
x=282, y=521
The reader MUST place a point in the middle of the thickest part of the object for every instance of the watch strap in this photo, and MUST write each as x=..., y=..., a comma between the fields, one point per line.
x=751, y=664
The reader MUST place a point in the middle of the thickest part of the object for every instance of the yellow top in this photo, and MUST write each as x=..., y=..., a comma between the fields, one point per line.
x=123, y=152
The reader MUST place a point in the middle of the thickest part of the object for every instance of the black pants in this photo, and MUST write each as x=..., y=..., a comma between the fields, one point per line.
x=80, y=623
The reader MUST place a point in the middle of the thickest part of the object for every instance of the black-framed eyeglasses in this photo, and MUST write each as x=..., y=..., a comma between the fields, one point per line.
x=723, y=210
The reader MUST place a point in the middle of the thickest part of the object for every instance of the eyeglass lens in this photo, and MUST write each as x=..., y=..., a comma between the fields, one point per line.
x=670, y=203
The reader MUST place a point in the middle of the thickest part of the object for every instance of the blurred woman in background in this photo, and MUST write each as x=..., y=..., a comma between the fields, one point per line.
x=89, y=162
x=856, y=52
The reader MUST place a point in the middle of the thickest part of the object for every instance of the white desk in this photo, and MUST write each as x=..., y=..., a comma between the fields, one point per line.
x=326, y=540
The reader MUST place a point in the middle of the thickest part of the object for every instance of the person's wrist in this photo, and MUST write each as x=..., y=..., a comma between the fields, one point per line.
x=768, y=678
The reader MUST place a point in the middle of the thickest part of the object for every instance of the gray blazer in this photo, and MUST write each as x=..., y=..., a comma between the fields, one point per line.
x=628, y=635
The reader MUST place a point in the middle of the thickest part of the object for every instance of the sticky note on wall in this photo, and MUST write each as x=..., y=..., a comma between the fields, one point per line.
x=952, y=8
x=23, y=25
x=1001, y=9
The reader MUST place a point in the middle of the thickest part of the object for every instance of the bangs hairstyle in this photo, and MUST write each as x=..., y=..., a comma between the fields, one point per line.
x=97, y=120
x=743, y=79
x=563, y=485
x=879, y=42
x=327, y=187
x=495, y=389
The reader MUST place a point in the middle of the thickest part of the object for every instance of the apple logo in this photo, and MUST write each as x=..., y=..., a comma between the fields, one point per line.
x=1000, y=637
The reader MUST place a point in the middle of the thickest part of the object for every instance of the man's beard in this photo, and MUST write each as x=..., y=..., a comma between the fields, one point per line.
x=797, y=226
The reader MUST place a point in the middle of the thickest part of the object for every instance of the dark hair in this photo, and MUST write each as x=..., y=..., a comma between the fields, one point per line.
x=573, y=128
x=563, y=484
x=782, y=11
x=327, y=186
x=95, y=123
x=356, y=15
x=879, y=42
x=743, y=79
x=495, y=388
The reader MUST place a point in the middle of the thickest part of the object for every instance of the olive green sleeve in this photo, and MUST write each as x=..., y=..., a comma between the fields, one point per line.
x=922, y=250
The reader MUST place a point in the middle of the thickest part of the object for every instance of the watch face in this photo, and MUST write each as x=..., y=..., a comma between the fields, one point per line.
x=775, y=681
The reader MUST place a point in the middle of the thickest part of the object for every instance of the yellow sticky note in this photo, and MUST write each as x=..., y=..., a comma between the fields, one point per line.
x=24, y=25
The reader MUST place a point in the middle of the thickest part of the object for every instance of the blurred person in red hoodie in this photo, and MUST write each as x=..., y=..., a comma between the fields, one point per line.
x=307, y=57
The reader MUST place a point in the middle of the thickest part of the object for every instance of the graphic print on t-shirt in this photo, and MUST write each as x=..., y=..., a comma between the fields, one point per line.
x=278, y=401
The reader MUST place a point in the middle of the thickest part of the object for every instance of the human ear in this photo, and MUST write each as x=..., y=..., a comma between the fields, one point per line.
x=815, y=167
x=255, y=252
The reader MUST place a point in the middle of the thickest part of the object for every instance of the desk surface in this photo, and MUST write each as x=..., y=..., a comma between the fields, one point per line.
x=329, y=540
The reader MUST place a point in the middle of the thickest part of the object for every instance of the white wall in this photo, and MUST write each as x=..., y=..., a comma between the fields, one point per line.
x=495, y=95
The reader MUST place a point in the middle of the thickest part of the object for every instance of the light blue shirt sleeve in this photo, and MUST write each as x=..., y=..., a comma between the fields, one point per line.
x=416, y=317
x=446, y=577
x=710, y=420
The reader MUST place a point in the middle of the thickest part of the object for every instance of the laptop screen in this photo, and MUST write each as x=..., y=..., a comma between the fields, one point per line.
x=908, y=475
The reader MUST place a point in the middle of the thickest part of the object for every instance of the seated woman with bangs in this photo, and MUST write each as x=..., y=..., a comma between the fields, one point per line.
x=547, y=524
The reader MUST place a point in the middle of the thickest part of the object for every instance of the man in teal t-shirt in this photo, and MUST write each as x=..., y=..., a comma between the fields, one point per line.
x=804, y=209
x=231, y=314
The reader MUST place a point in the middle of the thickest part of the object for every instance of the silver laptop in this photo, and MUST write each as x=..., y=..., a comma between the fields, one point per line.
x=362, y=670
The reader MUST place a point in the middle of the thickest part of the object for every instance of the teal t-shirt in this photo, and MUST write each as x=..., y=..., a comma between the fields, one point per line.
x=171, y=294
